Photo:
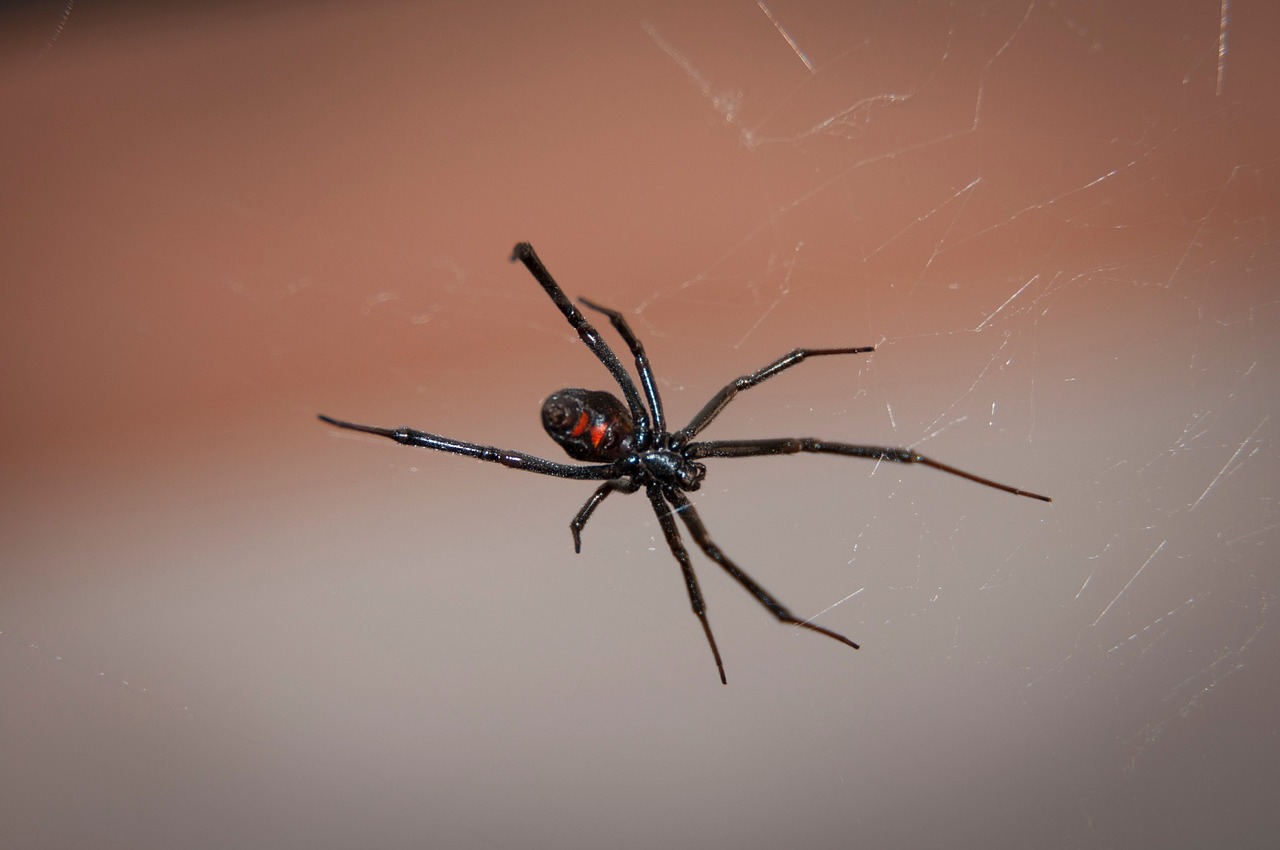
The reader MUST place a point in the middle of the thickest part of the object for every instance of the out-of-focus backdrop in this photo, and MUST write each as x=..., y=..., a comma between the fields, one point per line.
x=223, y=623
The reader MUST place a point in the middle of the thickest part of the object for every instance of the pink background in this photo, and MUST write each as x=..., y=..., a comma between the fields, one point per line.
x=225, y=624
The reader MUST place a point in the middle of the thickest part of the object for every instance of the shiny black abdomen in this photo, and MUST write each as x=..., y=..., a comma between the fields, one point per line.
x=589, y=425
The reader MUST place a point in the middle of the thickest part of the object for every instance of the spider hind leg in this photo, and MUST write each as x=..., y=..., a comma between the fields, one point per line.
x=672, y=533
x=700, y=536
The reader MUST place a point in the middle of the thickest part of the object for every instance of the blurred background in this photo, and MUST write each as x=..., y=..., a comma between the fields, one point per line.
x=223, y=623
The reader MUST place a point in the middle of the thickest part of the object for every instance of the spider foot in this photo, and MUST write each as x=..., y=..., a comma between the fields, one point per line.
x=820, y=630
x=715, y=650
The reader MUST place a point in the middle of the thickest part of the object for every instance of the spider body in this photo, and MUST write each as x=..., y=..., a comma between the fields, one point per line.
x=627, y=447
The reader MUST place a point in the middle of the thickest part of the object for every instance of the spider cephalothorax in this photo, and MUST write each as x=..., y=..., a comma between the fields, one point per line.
x=629, y=448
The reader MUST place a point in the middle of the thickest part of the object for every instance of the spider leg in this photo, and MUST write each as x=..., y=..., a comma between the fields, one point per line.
x=626, y=485
x=642, y=361
x=792, y=445
x=700, y=536
x=590, y=338
x=506, y=457
x=690, y=579
x=721, y=399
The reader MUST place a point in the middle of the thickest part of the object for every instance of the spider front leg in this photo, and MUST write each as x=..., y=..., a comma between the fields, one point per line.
x=721, y=399
x=690, y=578
x=626, y=485
x=700, y=536
x=793, y=445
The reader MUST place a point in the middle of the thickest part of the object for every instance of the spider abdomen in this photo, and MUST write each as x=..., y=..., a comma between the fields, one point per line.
x=589, y=425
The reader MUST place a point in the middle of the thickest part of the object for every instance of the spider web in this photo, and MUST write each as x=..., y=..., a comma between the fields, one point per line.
x=222, y=623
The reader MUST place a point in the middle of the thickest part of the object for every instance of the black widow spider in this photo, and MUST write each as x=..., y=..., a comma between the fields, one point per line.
x=631, y=448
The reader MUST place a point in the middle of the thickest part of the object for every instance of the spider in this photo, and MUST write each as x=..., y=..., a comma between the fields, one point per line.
x=628, y=447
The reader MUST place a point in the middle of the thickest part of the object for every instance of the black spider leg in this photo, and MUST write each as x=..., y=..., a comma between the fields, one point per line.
x=792, y=445
x=672, y=534
x=626, y=485
x=700, y=536
x=590, y=337
x=642, y=362
x=506, y=457
x=721, y=399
